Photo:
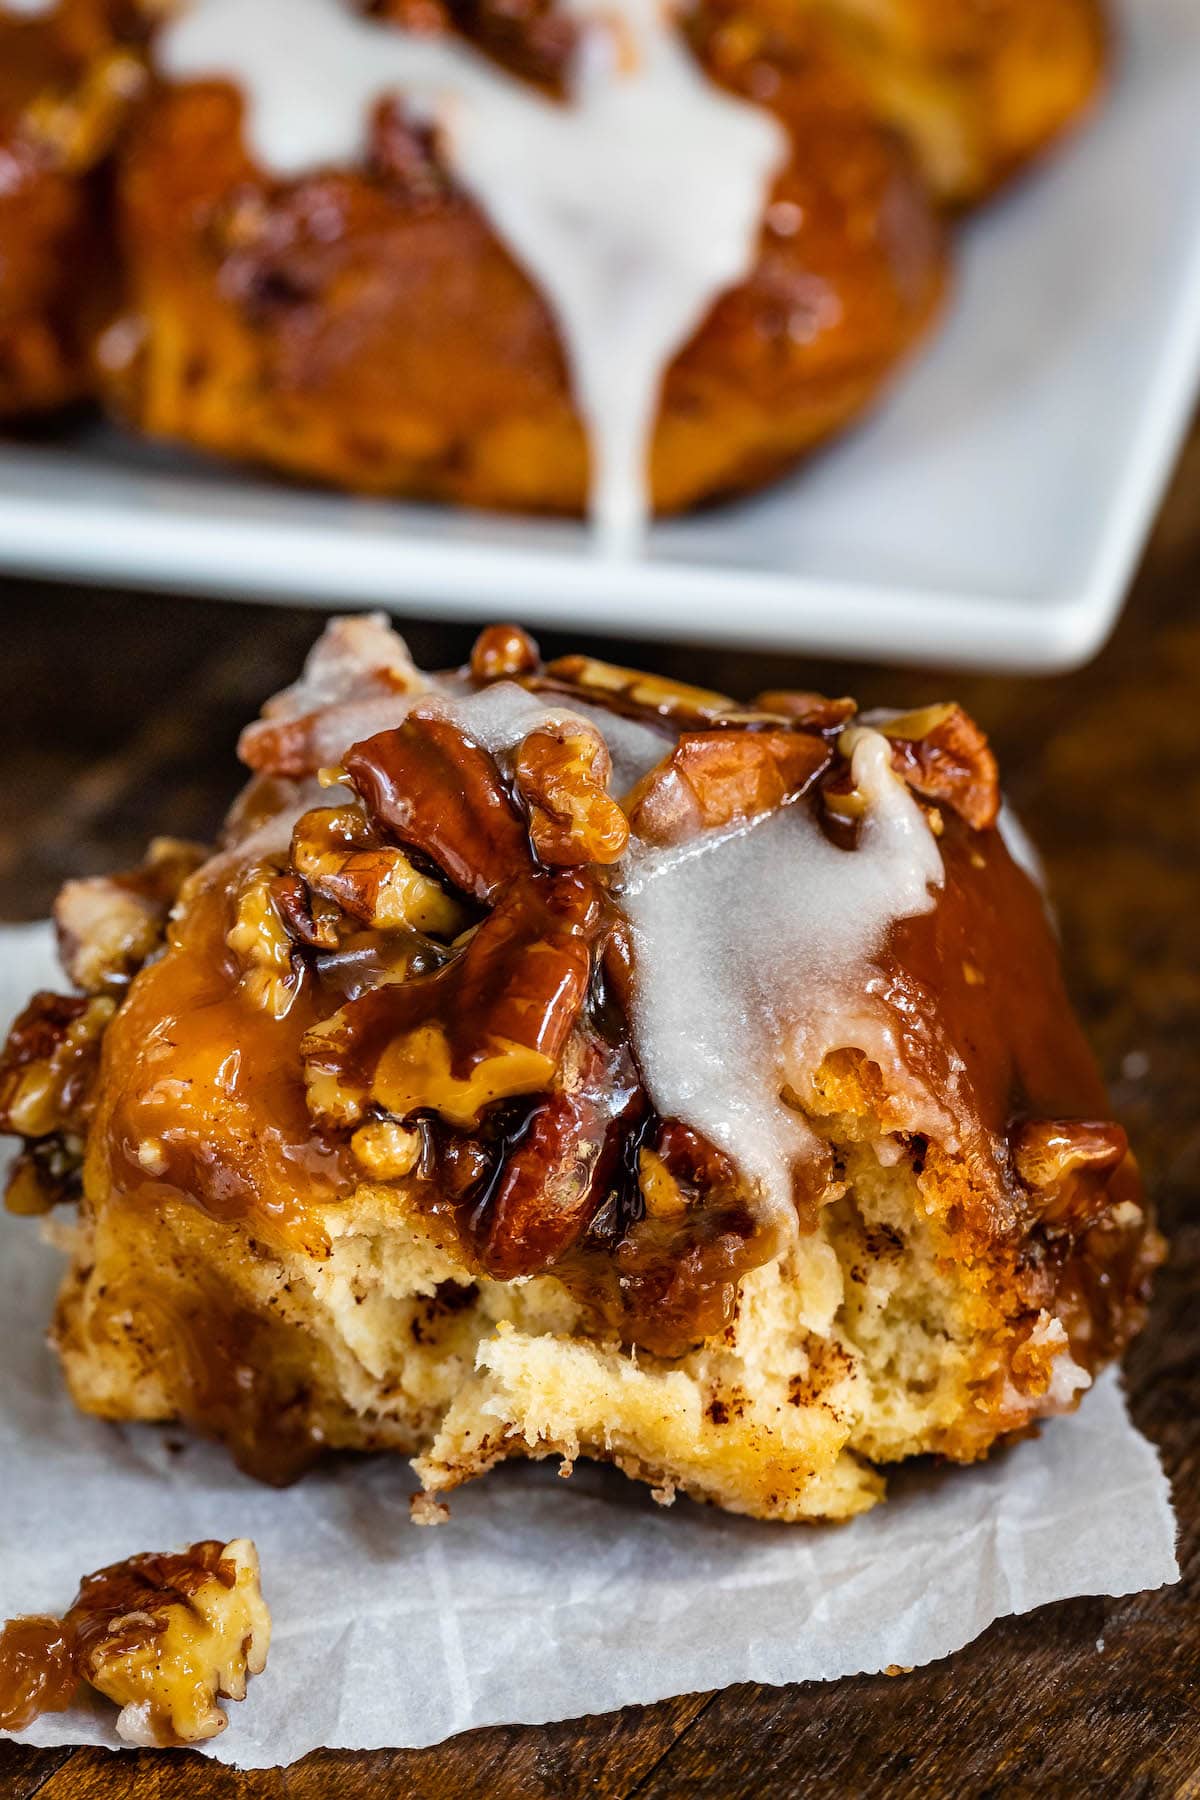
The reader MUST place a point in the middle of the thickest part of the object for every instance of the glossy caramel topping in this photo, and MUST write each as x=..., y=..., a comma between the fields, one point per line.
x=37, y=1670
x=203, y=1093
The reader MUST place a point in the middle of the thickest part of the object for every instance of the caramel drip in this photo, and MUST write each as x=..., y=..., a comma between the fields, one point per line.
x=984, y=1020
x=202, y=1094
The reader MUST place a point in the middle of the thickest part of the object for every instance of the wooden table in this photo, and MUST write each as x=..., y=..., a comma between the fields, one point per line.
x=118, y=720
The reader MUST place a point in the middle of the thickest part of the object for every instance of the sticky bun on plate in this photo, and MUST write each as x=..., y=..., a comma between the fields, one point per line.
x=551, y=1060
x=546, y=256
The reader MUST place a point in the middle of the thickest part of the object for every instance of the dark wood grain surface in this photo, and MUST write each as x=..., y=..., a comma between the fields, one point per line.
x=118, y=719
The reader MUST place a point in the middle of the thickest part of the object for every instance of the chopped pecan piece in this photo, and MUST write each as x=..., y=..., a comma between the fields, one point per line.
x=47, y=1173
x=387, y=1150
x=490, y=1024
x=308, y=918
x=944, y=756
x=343, y=859
x=562, y=774
x=164, y=1637
x=439, y=793
x=49, y=1064
x=661, y=1193
x=109, y=925
x=545, y=1191
x=1066, y=1164
x=713, y=779
x=358, y=677
x=502, y=652
x=271, y=969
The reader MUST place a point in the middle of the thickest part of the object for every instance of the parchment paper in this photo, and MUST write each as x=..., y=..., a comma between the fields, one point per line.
x=540, y=1599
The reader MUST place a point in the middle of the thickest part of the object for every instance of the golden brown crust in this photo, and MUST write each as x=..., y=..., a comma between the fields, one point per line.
x=979, y=87
x=67, y=80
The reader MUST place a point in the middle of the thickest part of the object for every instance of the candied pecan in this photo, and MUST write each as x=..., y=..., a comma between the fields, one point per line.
x=432, y=787
x=544, y=1192
x=632, y=691
x=359, y=669
x=555, y=1170
x=717, y=778
x=491, y=1023
x=49, y=1064
x=271, y=969
x=386, y=1149
x=109, y=925
x=562, y=772
x=943, y=755
x=502, y=652
x=308, y=918
x=344, y=860
x=1066, y=1165
x=164, y=1637
x=814, y=712
x=48, y=1172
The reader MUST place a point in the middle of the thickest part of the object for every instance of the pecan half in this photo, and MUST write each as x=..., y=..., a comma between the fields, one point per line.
x=943, y=755
x=503, y=652
x=562, y=774
x=343, y=859
x=490, y=1024
x=109, y=925
x=439, y=793
x=713, y=779
x=545, y=1192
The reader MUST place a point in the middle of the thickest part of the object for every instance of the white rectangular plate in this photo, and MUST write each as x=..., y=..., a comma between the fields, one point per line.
x=990, y=514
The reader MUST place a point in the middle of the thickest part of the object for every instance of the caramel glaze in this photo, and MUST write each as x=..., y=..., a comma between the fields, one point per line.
x=984, y=1021
x=508, y=1051
x=37, y=1670
x=202, y=1092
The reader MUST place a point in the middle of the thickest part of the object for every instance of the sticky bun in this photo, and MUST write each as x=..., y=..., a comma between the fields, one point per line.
x=552, y=1060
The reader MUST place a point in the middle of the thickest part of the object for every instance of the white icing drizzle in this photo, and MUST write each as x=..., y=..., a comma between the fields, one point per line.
x=632, y=207
x=751, y=961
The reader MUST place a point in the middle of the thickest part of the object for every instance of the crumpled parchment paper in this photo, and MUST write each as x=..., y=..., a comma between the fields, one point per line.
x=540, y=1599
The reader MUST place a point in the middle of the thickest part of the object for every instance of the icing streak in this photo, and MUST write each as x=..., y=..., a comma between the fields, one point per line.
x=633, y=206
x=751, y=956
